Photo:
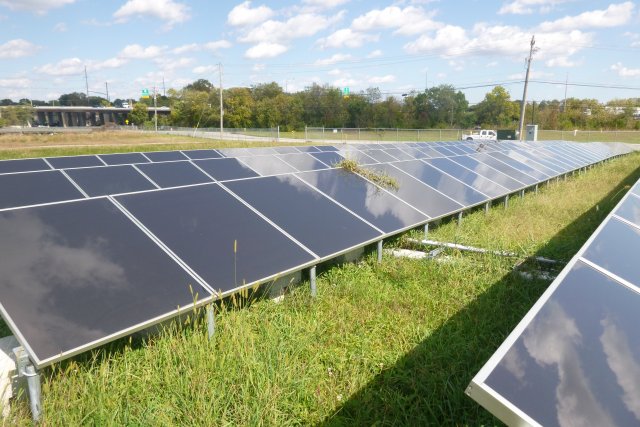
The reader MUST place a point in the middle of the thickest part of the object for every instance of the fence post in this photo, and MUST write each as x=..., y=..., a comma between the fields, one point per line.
x=358, y=134
x=418, y=136
x=440, y=134
x=305, y=133
x=397, y=135
x=278, y=137
x=323, y=133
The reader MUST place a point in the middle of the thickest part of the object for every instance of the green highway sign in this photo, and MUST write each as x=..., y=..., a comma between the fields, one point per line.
x=345, y=91
x=145, y=93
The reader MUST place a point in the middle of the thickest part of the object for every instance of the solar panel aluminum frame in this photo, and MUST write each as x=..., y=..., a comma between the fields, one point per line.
x=486, y=396
x=42, y=363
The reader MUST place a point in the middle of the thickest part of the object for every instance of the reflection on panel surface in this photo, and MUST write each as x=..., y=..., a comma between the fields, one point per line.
x=418, y=194
x=123, y=158
x=78, y=272
x=23, y=165
x=74, y=162
x=165, y=156
x=505, y=168
x=202, y=154
x=630, y=210
x=267, y=165
x=109, y=180
x=24, y=189
x=365, y=199
x=578, y=361
x=202, y=224
x=303, y=162
x=329, y=158
x=453, y=188
x=615, y=249
x=174, y=174
x=472, y=179
x=223, y=169
x=311, y=218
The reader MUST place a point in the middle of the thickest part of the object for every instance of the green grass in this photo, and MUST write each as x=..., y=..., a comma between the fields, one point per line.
x=394, y=343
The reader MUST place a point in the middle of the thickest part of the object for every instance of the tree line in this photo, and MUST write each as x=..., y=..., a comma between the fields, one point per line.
x=268, y=105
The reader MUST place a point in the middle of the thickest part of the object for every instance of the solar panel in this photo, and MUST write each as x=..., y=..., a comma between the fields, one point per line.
x=400, y=154
x=417, y=194
x=78, y=274
x=165, y=156
x=358, y=156
x=24, y=189
x=447, y=185
x=123, y=158
x=329, y=158
x=109, y=180
x=326, y=148
x=303, y=162
x=510, y=171
x=202, y=154
x=268, y=165
x=286, y=150
x=534, y=168
x=379, y=156
x=311, y=218
x=308, y=149
x=174, y=174
x=74, y=162
x=472, y=179
x=366, y=200
x=224, y=169
x=221, y=239
x=22, y=165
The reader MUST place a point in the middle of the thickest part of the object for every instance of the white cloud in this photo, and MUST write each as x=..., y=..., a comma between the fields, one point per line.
x=35, y=6
x=215, y=46
x=525, y=7
x=450, y=39
x=265, y=50
x=635, y=38
x=533, y=74
x=389, y=78
x=408, y=21
x=186, y=48
x=324, y=4
x=14, y=83
x=169, y=64
x=561, y=61
x=243, y=14
x=338, y=57
x=624, y=71
x=346, y=37
x=613, y=16
x=205, y=69
x=375, y=53
x=71, y=66
x=166, y=10
x=17, y=49
x=135, y=51
x=334, y=72
x=60, y=27
x=303, y=25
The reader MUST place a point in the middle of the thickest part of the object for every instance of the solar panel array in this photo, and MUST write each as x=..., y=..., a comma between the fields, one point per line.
x=96, y=247
x=575, y=357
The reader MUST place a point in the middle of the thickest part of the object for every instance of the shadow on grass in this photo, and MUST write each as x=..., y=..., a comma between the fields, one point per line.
x=426, y=386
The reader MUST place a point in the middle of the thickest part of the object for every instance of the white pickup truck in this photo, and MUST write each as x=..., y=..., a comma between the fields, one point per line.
x=480, y=135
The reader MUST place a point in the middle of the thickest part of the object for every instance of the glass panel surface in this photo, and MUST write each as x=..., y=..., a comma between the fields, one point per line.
x=418, y=194
x=108, y=180
x=379, y=156
x=165, y=156
x=470, y=178
x=267, y=165
x=326, y=148
x=286, y=150
x=630, y=210
x=24, y=189
x=505, y=168
x=358, y=156
x=329, y=158
x=123, y=158
x=303, y=162
x=455, y=150
x=577, y=362
x=23, y=165
x=402, y=155
x=311, y=218
x=308, y=149
x=75, y=273
x=365, y=199
x=430, y=152
x=447, y=185
x=74, y=162
x=174, y=174
x=202, y=225
x=202, y=154
x=535, y=169
x=444, y=152
x=488, y=172
x=616, y=249
x=224, y=169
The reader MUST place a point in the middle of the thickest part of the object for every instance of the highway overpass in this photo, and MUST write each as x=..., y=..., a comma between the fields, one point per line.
x=86, y=116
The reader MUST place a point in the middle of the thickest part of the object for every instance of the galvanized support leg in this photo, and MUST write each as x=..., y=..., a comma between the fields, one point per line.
x=426, y=230
x=312, y=280
x=459, y=218
x=536, y=189
x=486, y=207
x=27, y=370
x=211, y=321
x=521, y=194
x=379, y=251
x=506, y=201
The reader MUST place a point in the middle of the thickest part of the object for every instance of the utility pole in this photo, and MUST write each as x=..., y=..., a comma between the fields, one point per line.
x=566, y=83
x=86, y=82
x=155, y=107
x=532, y=50
x=164, y=89
x=106, y=86
x=221, y=105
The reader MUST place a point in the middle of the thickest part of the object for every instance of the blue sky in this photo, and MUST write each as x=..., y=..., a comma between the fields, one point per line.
x=397, y=46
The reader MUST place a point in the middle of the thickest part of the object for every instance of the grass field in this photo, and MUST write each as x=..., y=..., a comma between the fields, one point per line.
x=394, y=343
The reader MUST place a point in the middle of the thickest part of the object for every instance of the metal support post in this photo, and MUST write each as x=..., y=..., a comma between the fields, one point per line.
x=379, y=251
x=536, y=189
x=211, y=321
x=506, y=201
x=312, y=280
x=486, y=207
x=426, y=230
x=459, y=218
x=522, y=194
x=27, y=370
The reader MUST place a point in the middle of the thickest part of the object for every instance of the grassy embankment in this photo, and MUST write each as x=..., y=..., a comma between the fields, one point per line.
x=390, y=344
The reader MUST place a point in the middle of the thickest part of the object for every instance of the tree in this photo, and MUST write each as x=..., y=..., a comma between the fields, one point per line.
x=139, y=114
x=497, y=109
x=201, y=85
x=446, y=106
